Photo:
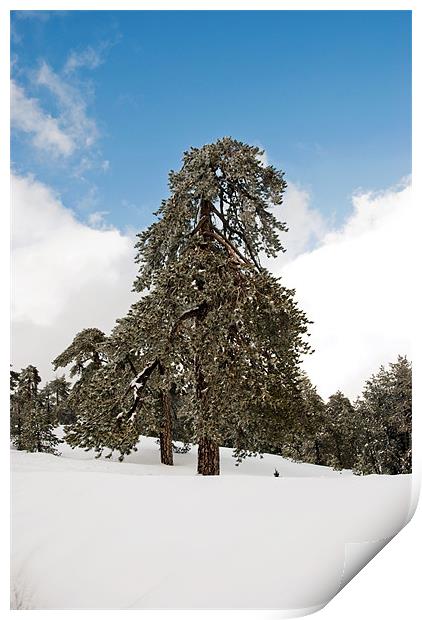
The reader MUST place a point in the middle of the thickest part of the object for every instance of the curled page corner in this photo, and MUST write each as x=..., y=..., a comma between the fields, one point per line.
x=357, y=555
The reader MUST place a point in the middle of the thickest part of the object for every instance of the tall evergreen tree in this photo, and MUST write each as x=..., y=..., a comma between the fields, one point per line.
x=139, y=341
x=233, y=335
x=55, y=394
x=306, y=441
x=16, y=412
x=341, y=432
x=32, y=427
x=103, y=392
x=85, y=356
x=384, y=416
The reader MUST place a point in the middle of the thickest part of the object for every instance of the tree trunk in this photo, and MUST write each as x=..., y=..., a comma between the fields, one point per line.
x=377, y=468
x=39, y=446
x=208, y=457
x=318, y=453
x=166, y=431
x=208, y=450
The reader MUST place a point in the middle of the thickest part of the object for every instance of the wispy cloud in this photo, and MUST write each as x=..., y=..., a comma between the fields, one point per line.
x=41, y=16
x=88, y=58
x=46, y=131
x=72, y=104
x=97, y=220
x=58, y=117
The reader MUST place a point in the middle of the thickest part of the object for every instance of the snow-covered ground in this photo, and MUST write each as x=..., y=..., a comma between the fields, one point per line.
x=93, y=533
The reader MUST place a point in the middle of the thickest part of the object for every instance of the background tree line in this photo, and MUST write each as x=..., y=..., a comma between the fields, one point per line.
x=372, y=435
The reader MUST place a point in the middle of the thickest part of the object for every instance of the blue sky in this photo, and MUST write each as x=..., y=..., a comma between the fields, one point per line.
x=326, y=93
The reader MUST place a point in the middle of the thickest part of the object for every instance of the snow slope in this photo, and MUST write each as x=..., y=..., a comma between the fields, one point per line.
x=93, y=533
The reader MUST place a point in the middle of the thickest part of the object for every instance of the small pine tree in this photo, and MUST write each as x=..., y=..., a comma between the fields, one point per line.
x=55, y=395
x=85, y=356
x=16, y=412
x=32, y=426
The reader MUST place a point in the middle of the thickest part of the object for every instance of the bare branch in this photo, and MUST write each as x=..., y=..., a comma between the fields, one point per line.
x=188, y=314
x=232, y=250
x=241, y=234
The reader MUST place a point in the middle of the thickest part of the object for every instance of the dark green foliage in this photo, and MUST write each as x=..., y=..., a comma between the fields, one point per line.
x=211, y=354
x=384, y=416
x=100, y=401
x=230, y=176
x=16, y=411
x=85, y=353
x=32, y=426
x=55, y=395
x=14, y=378
x=341, y=434
x=371, y=437
x=233, y=328
x=307, y=440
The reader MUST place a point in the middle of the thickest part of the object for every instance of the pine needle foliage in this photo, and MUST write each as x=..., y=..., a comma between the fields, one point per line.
x=227, y=334
x=32, y=427
x=384, y=419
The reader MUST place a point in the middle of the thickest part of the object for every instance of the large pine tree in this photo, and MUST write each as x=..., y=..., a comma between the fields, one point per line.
x=229, y=335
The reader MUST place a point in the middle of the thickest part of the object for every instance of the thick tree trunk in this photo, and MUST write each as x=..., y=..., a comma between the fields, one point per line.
x=208, y=450
x=208, y=457
x=166, y=431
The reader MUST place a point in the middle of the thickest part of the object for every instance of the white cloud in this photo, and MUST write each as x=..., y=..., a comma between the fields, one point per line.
x=356, y=287
x=71, y=129
x=306, y=225
x=27, y=116
x=66, y=275
x=72, y=104
x=97, y=220
x=90, y=58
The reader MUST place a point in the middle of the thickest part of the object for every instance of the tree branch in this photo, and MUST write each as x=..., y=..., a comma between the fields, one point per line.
x=240, y=234
x=233, y=251
x=198, y=226
x=132, y=367
x=138, y=384
x=188, y=314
